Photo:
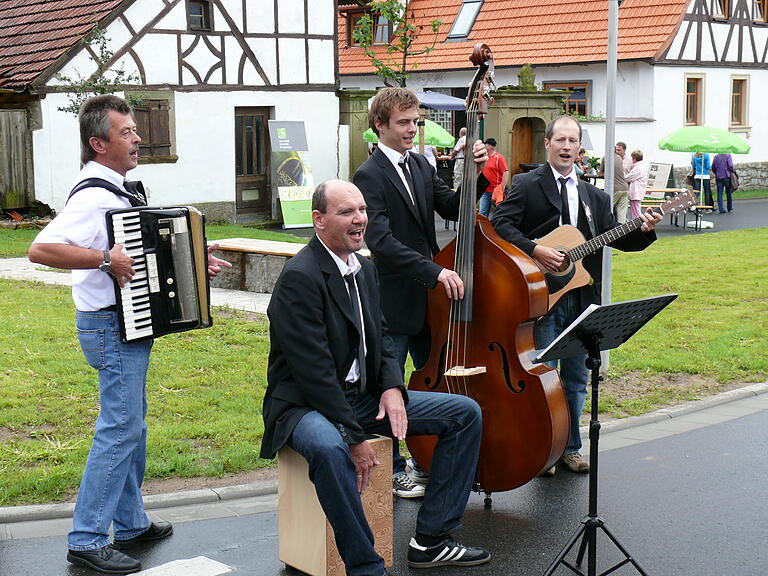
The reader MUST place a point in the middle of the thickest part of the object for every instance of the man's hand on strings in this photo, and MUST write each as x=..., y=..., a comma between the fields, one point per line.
x=550, y=258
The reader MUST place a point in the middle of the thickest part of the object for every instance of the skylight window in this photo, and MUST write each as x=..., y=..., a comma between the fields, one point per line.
x=466, y=18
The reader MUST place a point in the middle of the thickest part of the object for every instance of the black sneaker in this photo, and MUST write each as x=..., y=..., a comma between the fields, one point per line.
x=447, y=553
x=405, y=487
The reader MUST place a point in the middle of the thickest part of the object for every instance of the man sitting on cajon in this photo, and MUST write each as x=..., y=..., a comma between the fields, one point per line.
x=332, y=379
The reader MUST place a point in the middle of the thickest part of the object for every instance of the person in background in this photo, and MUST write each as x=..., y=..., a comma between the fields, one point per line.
x=722, y=166
x=430, y=153
x=620, y=187
x=497, y=174
x=457, y=154
x=701, y=168
x=637, y=177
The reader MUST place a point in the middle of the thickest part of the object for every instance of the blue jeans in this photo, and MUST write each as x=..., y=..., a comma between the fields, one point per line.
x=457, y=422
x=110, y=491
x=724, y=184
x=418, y=346
x=485, y=203
x=573, y=371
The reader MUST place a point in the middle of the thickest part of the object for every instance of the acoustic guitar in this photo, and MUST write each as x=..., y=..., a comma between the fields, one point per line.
x=568, y=240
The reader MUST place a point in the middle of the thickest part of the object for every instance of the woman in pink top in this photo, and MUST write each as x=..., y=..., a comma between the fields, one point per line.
x=637, y=178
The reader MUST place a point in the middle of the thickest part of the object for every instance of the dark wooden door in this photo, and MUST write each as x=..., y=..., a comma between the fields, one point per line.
x=253, y=190
x=16, y=183
x=522, y=144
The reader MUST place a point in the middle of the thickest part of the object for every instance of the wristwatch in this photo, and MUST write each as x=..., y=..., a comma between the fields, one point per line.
x=106, y=266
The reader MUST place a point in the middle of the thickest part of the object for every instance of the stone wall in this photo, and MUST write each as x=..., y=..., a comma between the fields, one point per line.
x=752, y=175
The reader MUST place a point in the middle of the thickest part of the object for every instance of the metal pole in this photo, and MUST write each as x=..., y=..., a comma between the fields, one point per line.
x=610, y=135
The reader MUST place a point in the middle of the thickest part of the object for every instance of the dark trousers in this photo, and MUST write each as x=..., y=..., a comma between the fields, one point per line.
x=457, y=422
x=724, y=184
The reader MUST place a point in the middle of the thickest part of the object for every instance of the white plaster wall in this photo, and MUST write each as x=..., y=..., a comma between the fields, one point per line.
x=205, y=170
x=260, y=16
x=322, y=17
x=139, y=14
x=290, y=17
x=321, y=69
x=292, y=61
x=234, y=11
x=159, y=70
x=265, y=50
x=176, y=19
x=56, y=149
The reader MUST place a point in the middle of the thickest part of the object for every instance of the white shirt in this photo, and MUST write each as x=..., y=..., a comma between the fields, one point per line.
x=83, y=223
x=344, y=268
x=573, y=194
x=395, y=157
x=459, y=148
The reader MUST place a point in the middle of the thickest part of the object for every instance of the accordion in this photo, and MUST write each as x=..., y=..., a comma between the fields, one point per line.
x=170, y=291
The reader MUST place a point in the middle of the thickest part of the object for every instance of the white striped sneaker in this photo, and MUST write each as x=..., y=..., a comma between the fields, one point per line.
x=447, y=553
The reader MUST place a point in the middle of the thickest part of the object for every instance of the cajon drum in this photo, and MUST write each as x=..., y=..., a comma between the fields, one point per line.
x=307, y=542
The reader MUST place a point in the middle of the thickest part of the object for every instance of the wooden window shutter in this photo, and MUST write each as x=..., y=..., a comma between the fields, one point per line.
x=160, y=127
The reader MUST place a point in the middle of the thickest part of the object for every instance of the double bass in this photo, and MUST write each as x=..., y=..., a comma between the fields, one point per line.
x=481, y=345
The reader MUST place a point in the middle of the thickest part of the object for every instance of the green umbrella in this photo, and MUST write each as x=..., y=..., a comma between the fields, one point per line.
x=434, y=135
x=704, y=139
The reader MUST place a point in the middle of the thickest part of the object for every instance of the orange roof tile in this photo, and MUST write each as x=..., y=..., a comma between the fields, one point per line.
x=531, y=32
x=34, y=33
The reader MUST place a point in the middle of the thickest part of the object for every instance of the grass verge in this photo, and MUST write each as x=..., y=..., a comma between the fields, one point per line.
x=206, y=387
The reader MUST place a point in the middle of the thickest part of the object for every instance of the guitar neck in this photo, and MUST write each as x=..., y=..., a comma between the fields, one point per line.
x=598, y=242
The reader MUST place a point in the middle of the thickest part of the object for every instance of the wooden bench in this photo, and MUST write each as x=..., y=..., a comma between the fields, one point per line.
x=306, y=540
x=256, y=264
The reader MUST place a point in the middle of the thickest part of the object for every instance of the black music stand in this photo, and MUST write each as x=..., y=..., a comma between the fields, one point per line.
x=598, y=328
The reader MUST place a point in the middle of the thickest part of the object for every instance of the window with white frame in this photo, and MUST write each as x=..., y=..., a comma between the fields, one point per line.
x=739, y=101
x=694, y=100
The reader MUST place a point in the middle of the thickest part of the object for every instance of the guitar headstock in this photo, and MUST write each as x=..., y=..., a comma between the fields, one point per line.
x=678, y=203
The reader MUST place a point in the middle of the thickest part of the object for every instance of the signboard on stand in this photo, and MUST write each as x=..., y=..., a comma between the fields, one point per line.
x=292, y=172
x=659, y=176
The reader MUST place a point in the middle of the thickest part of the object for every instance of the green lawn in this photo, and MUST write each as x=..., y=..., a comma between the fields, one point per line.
x=206, y=386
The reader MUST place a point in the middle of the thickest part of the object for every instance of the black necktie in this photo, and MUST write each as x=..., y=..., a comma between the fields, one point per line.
x=403, y=163
x=564, y=211
x=135, y=189
x=350, y=278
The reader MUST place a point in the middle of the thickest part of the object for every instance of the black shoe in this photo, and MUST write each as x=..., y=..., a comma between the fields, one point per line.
x=447, y=553
x=156, y=531
x=106, y=560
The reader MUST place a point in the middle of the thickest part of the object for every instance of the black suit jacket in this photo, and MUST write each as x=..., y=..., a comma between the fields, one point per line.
x=532, y=210
x=313, y=342
x=401, y=235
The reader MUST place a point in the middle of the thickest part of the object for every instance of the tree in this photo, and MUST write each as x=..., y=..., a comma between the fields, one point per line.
x=392, y=63
x=97, y=83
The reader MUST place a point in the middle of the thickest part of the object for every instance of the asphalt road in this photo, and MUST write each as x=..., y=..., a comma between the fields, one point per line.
x=694, y=503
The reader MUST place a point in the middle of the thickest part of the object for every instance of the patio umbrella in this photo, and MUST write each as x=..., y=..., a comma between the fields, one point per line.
x=704, y=139
x=435, y=135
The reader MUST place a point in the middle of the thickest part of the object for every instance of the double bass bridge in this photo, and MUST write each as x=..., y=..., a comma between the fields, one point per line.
x=463, y=371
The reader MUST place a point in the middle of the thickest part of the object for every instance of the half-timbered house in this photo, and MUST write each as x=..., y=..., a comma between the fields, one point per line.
x=208, y=75
x=680, y=62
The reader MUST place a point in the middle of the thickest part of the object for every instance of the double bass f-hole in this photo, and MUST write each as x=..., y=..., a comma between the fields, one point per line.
x=516, y=387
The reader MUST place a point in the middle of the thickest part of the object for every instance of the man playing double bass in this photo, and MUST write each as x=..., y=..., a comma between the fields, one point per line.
x=540, y=201
x=403, y=192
